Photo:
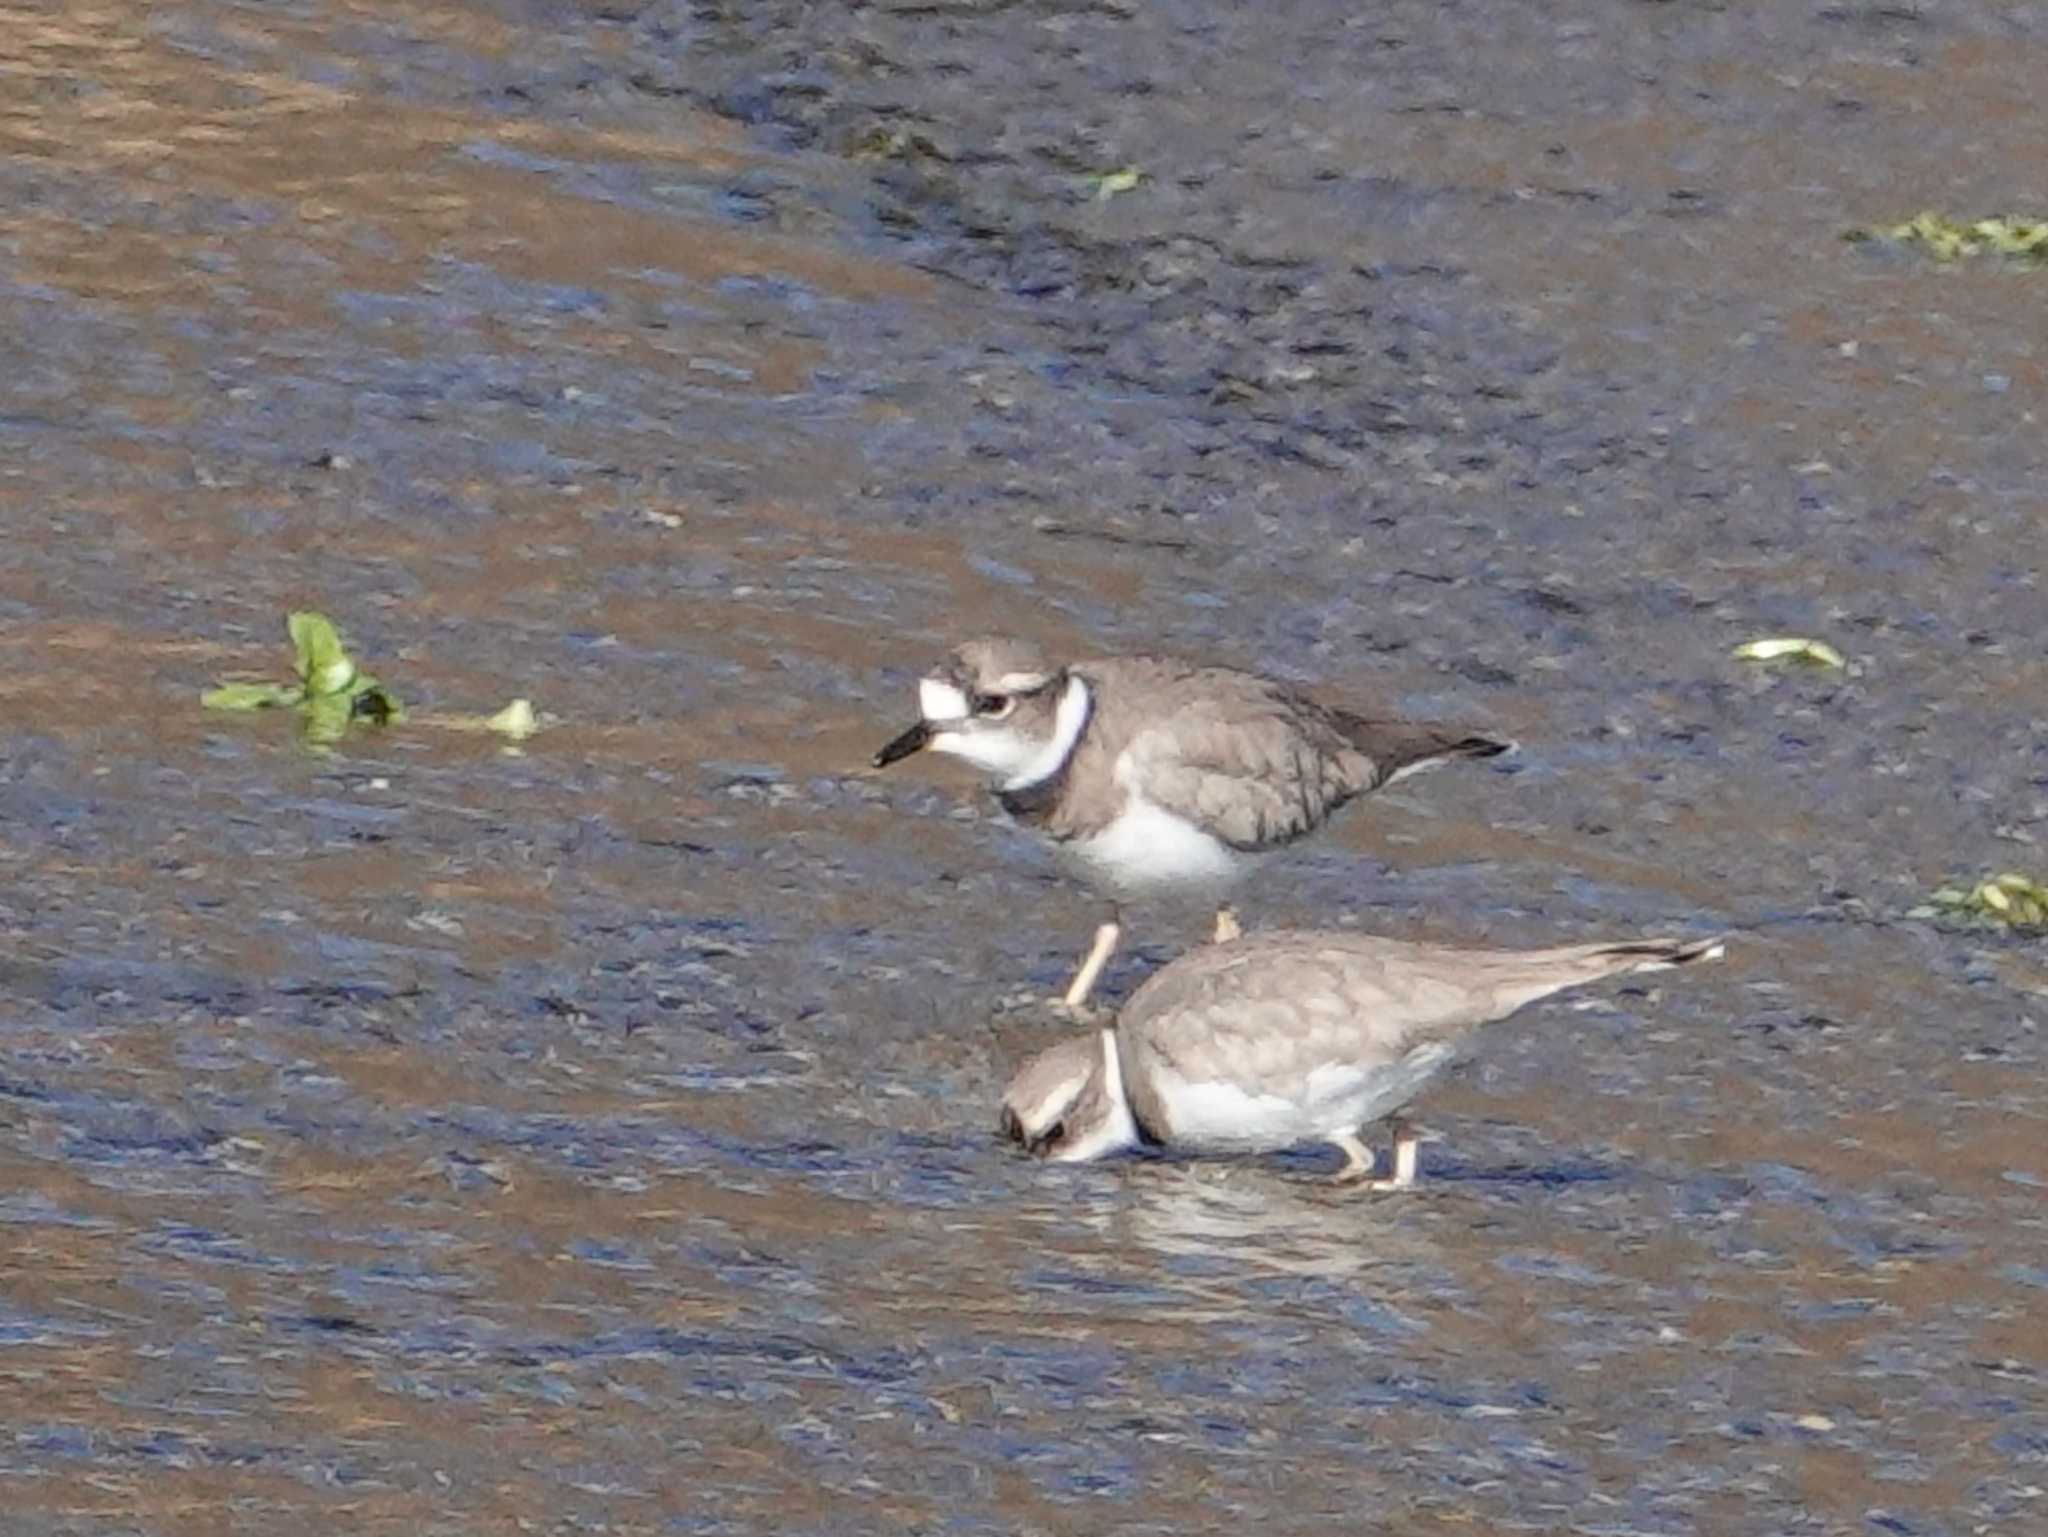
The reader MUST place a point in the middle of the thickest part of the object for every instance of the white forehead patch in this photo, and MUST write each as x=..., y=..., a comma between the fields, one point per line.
x=941, y=701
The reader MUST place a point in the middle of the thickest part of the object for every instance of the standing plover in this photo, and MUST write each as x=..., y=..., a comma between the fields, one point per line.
x=1293, y=1036
x=1147, y=772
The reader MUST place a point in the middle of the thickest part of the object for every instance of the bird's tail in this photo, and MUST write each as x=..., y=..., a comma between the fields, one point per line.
x=1658, y=954
x=1526, y=975
x=1398, y=748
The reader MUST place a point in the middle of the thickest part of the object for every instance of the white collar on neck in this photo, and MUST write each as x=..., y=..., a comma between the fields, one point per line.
x=1114, y=1128
x=1113, y=1070
x=1071, y=719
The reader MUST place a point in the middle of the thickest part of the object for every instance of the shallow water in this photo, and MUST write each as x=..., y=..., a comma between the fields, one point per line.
x=421, y=1138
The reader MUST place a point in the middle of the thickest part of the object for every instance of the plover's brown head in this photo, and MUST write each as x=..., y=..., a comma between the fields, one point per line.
x=1002, y=706
x=1067, y=1103
x=1045, y=1089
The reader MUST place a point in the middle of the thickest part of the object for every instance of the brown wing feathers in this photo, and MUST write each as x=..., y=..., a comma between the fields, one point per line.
x=1394, y=745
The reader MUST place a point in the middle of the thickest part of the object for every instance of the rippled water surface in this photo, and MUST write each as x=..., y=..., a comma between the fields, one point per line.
x=423, y=1138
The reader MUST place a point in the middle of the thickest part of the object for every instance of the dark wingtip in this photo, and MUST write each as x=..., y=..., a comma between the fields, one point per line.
x=1670, y=952
x=1481, y=747
x=1700, y=950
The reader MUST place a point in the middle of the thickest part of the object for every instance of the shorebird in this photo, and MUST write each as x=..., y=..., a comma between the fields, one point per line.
x=1148, y=773
x=1293, y=1036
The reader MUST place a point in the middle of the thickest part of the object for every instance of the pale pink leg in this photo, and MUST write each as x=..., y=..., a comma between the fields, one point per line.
x=1091, y=969
x=1407, y=1139
x=1358, y=1159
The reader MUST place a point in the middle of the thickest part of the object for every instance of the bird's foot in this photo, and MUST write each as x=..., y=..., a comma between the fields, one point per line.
x=1393, y=1183
x=1360, y=1161
x=1407, y=1146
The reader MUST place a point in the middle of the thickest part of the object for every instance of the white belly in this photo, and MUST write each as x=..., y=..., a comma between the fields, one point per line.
x=1336, y=1099
x=1147, y=848
x=1223, y=1117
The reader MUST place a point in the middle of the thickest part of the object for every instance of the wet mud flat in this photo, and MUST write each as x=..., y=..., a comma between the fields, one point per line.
x=418, y=1138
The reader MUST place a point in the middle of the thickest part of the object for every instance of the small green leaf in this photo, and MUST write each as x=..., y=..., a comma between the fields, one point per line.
x=325, y=667
x=331, y=692
x=251, y=696
x=1948, y=239
x=516, y=720
x=1109, y=185
x=1798, y=648
x=325, y=719
x=2011, y=900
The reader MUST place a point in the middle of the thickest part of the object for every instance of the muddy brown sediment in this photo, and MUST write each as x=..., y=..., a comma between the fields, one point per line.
x=419, y=1138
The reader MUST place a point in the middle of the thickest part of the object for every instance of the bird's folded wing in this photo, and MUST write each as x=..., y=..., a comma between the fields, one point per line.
x=1254, y=777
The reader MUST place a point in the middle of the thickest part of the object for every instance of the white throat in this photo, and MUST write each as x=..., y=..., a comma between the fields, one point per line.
x=1068, y=722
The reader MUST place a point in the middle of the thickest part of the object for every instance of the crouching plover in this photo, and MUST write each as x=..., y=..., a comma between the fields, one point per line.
x=1148, y=773
x=1293, y=1036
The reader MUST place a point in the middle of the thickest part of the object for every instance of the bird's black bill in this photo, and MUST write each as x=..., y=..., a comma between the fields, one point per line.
x=903, y=746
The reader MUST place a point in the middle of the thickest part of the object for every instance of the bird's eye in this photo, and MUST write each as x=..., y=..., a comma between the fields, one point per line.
x=994, y=706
